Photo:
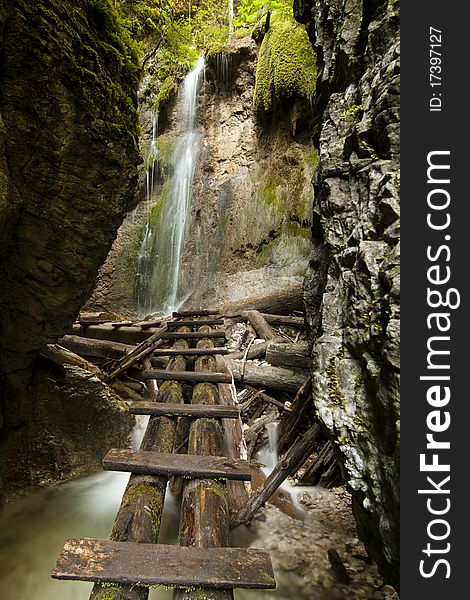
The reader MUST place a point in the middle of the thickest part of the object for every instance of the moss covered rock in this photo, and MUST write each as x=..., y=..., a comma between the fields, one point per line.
x=286, y=63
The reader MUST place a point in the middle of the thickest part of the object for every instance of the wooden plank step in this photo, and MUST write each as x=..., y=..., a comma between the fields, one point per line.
x=194, y=313
x=189, y=466
x=196, y=322
x=199, y=377
x=195, y=411
x=193, y=335
x=190, y=351
x=158, y=564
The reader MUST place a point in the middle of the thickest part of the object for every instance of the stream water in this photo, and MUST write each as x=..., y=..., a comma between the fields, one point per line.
x=33, y=530
x=159, y=259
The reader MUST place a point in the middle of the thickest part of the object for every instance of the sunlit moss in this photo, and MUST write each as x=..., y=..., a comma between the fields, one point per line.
x=286, y=62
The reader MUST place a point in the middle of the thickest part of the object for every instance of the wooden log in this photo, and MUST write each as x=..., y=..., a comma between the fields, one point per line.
x=204, y=507
x=193, y=335
x=289, y=355
x=235, y=446
x=194, y=313
x=266, y=376
x=95, y=348
x=255, y=351
x=159, y=564
x=122, y=323
x=139, y=353
x=290, y=422
x=148, y=324
x=288, y=465
x=195, y=323
x=190, y=467
x=125, y=335
x=270, y=400
x=284, y=320
x=259, y=324
x=139, y=516
x=204, y=377
x=195, y=411
x=62, y=356
x=190, y=351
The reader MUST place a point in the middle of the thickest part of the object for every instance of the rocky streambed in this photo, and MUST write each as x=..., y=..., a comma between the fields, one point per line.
x=300, y=551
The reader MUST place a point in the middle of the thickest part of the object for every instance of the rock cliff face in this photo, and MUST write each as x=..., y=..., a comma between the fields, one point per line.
x=248, y=227
x=68, y=155
x=352, y=286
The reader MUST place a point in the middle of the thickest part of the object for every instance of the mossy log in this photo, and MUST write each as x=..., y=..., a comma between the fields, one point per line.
x=61, y=356
x=291, y=421
x=259, y=324
x=204, y=506
x=289, y=355
x=235, y=446
x=139, y=516
x=140, y=352
x=266, y=376
x=288, y=465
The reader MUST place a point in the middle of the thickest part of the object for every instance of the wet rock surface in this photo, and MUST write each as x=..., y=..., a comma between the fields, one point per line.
x=352, y=287
x=68, y=156
x=68, y=422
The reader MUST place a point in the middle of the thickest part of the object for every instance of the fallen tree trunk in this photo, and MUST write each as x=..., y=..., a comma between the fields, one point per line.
x=95, y=348
x=139, y=353
x=288, y=465
x=124, y=335
x=62, y=356
x=204, y=507
x=255, y=351
x=139, y=516
x=259, y=324
x=267, y=376
x=290, y=422
x=284, y=320
x=289, y=355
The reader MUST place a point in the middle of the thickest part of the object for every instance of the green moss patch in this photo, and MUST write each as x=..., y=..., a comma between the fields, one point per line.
x=286, y=63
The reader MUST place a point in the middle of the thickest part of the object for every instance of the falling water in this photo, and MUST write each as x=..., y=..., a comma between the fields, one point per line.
x=222, y=65
x=33, y=530
x=230, y=16
x=268, y=456
x=159, y=261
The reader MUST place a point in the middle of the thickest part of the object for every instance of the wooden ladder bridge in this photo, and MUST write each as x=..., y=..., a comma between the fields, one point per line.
x=208, y=470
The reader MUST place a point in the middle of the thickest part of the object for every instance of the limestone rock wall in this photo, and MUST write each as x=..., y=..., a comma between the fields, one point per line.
x=68, y=156
x=352, y=287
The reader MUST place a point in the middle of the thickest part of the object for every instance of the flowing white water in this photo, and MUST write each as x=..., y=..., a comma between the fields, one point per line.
x=268, y=456
x=159, y=262
x=33, y=531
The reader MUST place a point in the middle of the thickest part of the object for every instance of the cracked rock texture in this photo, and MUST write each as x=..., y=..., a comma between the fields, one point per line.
x=68, y=156
x=351, y=290
x=248, y=227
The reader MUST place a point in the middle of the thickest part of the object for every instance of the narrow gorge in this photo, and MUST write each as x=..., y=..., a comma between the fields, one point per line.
x=162, y=163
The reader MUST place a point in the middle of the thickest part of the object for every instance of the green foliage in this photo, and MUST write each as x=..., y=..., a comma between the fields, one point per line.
x=146, y=19
x=104, y=60
x=167, y=89
x=251, y=11
x=286, y=62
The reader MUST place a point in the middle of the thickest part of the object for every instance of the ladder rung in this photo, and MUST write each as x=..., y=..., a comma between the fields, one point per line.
x=195, y=411
x=190, y=351
x=129, y=563
x=192, y=335
x=197, y=376
x=189, y=466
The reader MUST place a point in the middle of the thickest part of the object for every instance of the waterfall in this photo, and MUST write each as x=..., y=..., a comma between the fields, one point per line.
x=159, y=259
x=230, y=17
